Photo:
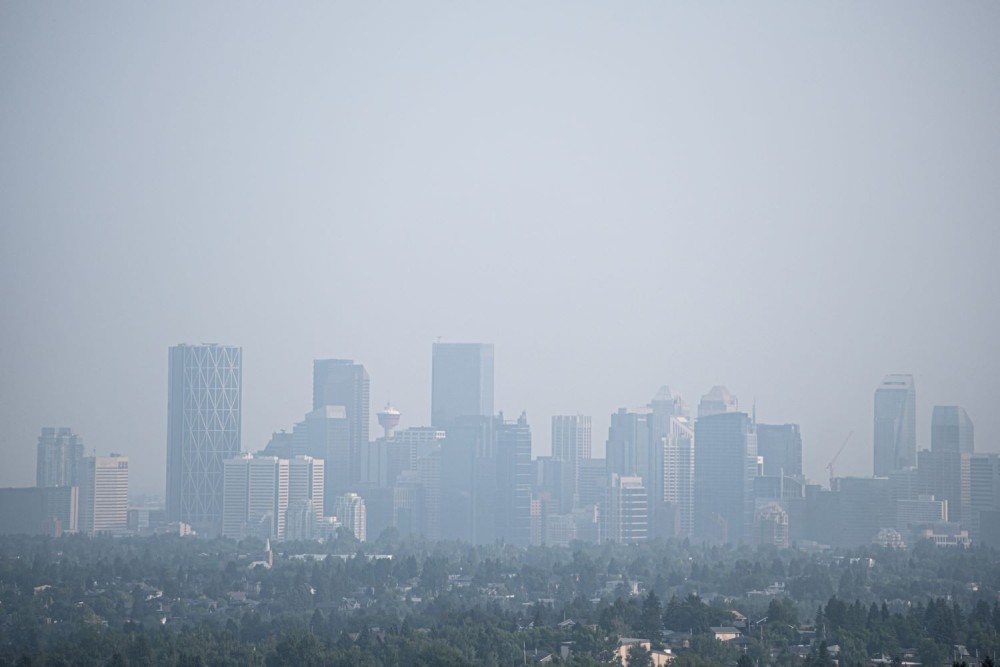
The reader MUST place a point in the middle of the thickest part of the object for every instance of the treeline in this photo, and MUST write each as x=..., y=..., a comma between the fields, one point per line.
x=173, y=601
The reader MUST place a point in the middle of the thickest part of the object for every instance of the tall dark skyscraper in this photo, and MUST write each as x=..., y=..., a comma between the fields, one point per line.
x=725, y=464
x=461, y=382
x=952, y=430
x=343, y=382
x=204, y=399
x=895, y=425
x=59, y=455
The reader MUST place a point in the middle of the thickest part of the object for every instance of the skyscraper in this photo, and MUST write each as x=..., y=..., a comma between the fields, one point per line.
x=678, y=472
x=325, y=434
x=343, y=382
x=256, y=497
x=203, y=430
x=895, y=425
x=725, y=464
x=571, y=442
x=952, y=430
x=59, y=454
x=716, y=401
x=781, y=447
x=514, y=476
x=103, y=497
x=461, y=382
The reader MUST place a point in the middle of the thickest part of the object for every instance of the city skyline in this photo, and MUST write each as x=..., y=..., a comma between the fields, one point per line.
x=716, y=393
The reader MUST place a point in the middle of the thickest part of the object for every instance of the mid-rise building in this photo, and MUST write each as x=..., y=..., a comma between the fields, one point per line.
x=58, y=457
x=205, y=389
x=984, y=497
x=625, y=512
x=50, y=510
x=895, y=425
x=341, y=382
x=946, y=475
x=864, y=507
x=103, y=495
x=771, y=524
x=781, y=447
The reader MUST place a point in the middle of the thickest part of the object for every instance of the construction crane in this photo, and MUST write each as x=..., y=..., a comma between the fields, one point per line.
x=829, y=466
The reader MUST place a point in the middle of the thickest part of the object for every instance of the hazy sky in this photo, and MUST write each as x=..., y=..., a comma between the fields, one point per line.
x=791, y=199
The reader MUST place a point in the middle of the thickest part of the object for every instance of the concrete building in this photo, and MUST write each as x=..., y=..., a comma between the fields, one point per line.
x=103, y=495
x=895, y=425
x=205, y=390
x=59, y=453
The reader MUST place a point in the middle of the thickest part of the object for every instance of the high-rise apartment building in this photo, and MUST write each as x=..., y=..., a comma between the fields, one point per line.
x=895, y=425
x=343, y=382
x=725, y=464
x=350, y=509
x=461, y=382
x=306, y=477
x=678, y=472
x=59, y=455
x=952, y=430
x=103, y=495
x=571, y=442
x=781, y=447
x=203, y=430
